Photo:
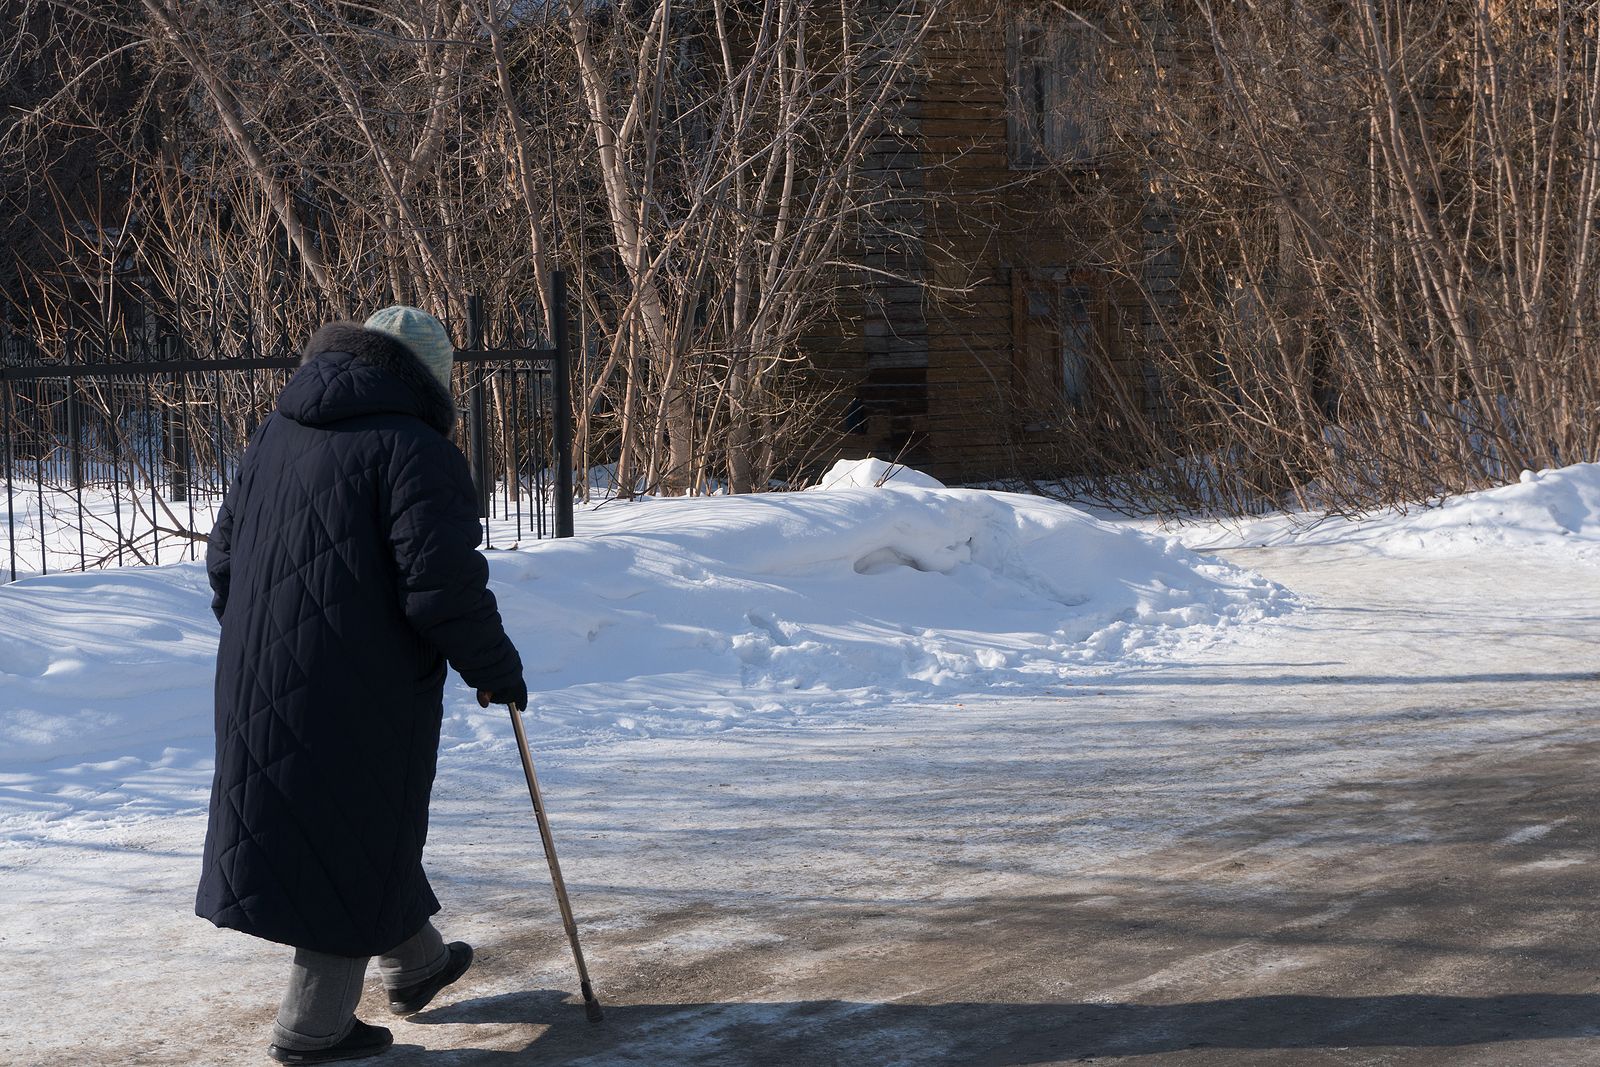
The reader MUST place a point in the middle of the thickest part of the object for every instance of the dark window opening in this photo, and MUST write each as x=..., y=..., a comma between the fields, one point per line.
x=1061, y=342
x=1053, y=75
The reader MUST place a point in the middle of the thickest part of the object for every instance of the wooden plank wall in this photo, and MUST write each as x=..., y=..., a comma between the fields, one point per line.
x=934, y=354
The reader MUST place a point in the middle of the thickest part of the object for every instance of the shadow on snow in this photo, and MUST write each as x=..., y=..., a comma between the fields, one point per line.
x=996, y=1035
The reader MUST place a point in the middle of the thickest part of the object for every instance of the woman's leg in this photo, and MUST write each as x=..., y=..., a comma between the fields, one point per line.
x=416, y=959
x=319, y=1008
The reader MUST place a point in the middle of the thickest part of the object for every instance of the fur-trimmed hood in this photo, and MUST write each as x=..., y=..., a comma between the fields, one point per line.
x=348, y=371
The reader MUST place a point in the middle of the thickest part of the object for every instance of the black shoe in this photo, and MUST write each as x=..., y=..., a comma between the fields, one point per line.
x=362, y=1041
x=413, y=998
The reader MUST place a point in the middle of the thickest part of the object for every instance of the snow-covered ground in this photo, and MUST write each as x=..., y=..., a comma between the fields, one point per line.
x=711, y=679
x=1547, y=512
x=662, y=617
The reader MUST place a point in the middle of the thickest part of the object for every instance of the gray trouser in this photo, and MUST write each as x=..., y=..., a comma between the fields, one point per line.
x=319, y=1008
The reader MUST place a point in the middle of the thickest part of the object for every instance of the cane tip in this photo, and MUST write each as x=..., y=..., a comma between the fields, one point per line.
x=591, y=1003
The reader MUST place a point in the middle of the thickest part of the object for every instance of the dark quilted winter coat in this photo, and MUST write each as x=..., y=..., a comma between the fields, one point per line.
x=345, y=573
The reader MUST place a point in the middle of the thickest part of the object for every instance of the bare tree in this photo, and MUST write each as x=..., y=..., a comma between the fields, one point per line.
x=729, y=142
x=697, y=167
x=1384, y=214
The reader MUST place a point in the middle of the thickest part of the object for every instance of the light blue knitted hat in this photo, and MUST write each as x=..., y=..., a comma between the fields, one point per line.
x=423, y=334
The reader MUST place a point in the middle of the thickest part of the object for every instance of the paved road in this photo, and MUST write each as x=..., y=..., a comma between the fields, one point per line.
x=1327, y=903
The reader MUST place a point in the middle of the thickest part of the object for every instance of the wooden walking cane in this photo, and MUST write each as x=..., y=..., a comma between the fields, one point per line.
x=591, y=1004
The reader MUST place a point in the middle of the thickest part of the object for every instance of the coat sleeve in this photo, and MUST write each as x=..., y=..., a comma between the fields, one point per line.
x=219, y=545
x=444, y=580
x=219, y=557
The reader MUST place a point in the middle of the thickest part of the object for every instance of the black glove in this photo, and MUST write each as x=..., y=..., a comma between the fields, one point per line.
x=511, y=694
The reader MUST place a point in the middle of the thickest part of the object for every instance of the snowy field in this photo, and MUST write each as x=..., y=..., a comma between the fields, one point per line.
x=704, y=670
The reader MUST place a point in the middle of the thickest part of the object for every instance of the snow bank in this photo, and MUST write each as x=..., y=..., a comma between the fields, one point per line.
x=702, y=613
x=670, y=616
x=1545, y=508
x=874, y=473
x=1554, y=510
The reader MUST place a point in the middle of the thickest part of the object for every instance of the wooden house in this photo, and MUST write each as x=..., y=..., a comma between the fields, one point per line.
x=989, y=331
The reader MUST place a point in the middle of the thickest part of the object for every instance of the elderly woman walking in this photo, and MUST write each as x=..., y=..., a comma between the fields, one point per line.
x=346, y=575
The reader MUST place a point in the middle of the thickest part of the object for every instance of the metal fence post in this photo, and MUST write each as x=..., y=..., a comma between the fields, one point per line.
x=75, y=435
x=478, y=441
x=11, y=505
x=563, y=404
x=177, y=438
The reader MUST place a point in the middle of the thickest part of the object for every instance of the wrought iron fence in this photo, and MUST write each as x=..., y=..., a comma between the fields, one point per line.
x=122, y=452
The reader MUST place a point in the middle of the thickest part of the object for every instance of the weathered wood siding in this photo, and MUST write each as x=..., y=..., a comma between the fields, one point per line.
x=951, y=370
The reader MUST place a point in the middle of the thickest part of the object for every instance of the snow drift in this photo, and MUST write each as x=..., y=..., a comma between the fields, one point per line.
x=677, y=616
x=1549, y=510
x=874, y=473
x=671, y=614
